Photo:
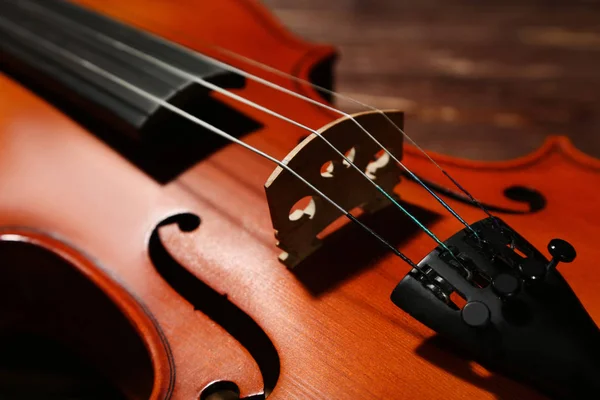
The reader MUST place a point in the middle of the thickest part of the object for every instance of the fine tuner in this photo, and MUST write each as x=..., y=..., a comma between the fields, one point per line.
x=561, y=251
x=515, y=307
x=185, y=208
x=488, y=290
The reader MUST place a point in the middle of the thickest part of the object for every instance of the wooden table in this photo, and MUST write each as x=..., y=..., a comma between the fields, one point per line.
x=479, y=79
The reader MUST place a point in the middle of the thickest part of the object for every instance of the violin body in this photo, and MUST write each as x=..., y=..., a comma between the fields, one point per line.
x=174, y=289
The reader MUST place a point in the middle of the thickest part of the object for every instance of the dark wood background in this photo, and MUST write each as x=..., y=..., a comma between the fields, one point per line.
x=479, y=79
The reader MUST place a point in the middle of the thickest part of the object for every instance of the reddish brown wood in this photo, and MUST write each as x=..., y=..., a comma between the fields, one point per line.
x=336, y=332
x=35, y=257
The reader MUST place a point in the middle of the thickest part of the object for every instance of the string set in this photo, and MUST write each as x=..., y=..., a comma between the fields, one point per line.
x=341, y=96
x=197, y=79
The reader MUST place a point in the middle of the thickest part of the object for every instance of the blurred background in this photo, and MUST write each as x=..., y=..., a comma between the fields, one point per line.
x=485, y=80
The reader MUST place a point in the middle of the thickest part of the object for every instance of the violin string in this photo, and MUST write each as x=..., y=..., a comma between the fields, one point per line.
x=195, y=78
x=117, y=80
x=341, y=96
x=291, y=93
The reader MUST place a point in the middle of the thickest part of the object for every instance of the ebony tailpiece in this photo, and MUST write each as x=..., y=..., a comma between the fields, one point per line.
x=519, y=317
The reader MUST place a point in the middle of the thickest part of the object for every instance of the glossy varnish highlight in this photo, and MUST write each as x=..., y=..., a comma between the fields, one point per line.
x=335, y=330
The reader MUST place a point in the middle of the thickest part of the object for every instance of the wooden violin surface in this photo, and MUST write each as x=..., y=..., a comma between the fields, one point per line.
x=34, y=198
x=53, y=290
x=195, y=259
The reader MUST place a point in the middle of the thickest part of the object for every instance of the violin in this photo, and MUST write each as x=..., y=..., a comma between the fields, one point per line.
x=186, y=214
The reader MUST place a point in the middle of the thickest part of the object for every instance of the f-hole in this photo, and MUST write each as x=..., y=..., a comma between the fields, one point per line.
x=534, y=199
x=213, y=304
x=221, y=390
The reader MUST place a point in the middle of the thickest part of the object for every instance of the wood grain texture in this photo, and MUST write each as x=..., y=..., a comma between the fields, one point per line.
x=25, y=127
x=483, y=80
x=336, y=333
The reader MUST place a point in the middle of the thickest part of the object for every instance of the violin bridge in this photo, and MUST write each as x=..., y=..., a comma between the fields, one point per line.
x=298, y=215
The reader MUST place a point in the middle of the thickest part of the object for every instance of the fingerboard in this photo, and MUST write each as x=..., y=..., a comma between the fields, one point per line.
x=134, y=124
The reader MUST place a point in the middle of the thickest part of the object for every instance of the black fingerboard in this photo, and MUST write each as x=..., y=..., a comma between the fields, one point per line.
x=46, y=45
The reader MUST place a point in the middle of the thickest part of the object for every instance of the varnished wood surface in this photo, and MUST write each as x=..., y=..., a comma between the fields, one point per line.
x=336, y=334
x=484, y=79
